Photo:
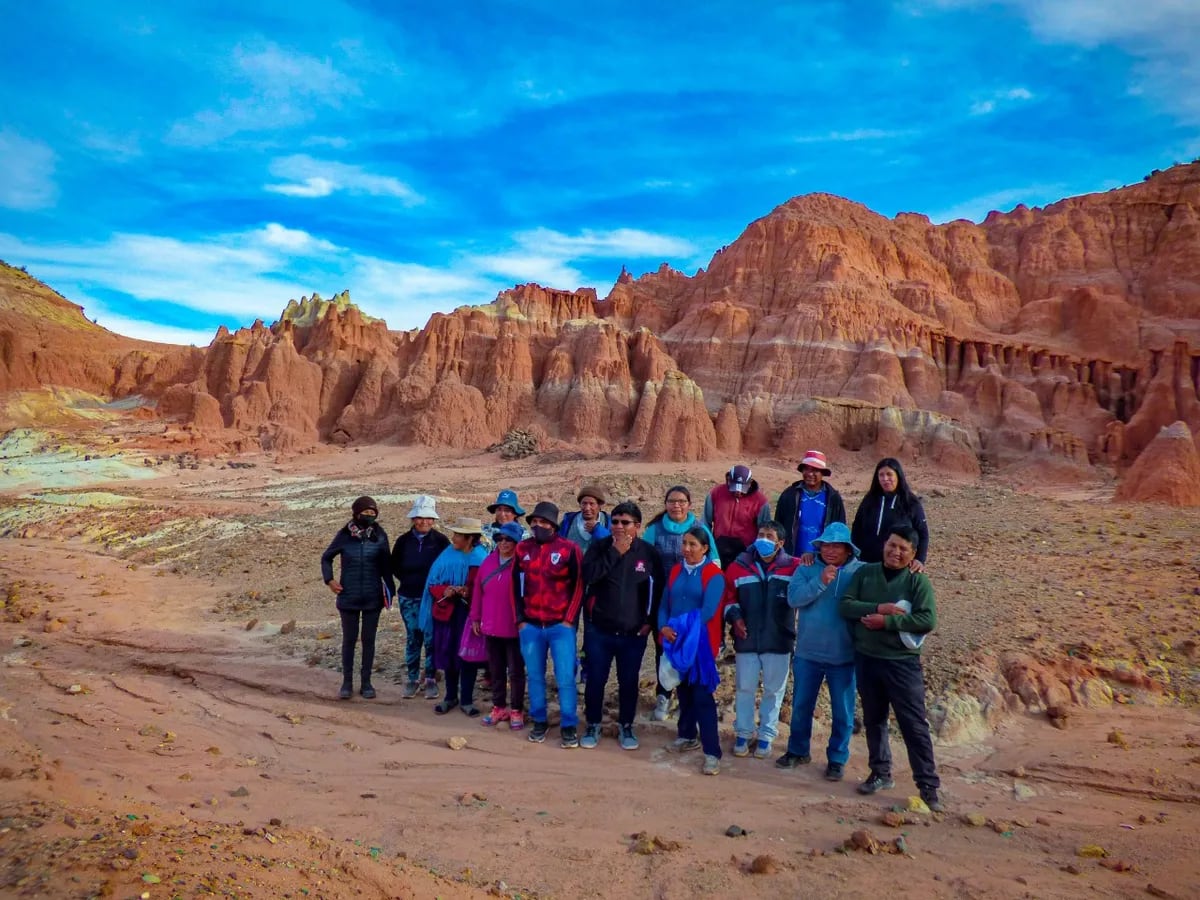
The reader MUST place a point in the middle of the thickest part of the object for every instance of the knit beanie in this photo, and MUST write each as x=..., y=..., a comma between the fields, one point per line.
x=591, y=490
x=364, y=503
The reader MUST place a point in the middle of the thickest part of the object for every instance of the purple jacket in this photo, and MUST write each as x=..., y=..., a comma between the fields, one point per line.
x=492, y=598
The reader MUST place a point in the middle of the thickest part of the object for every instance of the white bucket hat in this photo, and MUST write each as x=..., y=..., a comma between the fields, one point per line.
x=424, y=507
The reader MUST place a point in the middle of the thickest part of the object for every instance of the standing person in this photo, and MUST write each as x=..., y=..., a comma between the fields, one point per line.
x=733, y=512
x=889, y=501
x=548, y=582
x=824, y=651
x=665, y=533
x=504, y=510
x=590, y=522
x=764, y=634
x=893, y=609
x=365, y=583
x=690, y=601
x=807, y=506
x=623, y=581
x=412, y=558
x=447, y=602
x=492, y=616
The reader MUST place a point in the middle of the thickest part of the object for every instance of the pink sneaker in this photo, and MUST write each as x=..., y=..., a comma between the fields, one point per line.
x=516, y=720
x=497, y=715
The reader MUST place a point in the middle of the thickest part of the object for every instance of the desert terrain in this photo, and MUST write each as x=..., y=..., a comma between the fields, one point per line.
x=168, y=726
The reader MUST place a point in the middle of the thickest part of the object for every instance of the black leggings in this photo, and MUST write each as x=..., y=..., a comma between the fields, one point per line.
x=370, y=625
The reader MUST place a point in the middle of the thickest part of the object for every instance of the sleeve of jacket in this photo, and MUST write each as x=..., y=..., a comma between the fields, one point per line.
x=860, y=530
x=713, y=591
x=764, y=514
x=806, y=586
x=852, y=606
x=923, y=618
x=597, y=563
x=658, y=583
x=385, y=565
x=785, y=515
x=518, y=576
x=397, y=550
x=708, y=511
x=922, y=526
x=836, y=511
x=731, y=610
x=576, y=603
x=664, y=602
x=601, y=529
x=713, y=555
x=475, y=613
x=333, y=550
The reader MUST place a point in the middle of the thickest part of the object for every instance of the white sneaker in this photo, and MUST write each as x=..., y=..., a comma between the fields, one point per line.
x=660, y=708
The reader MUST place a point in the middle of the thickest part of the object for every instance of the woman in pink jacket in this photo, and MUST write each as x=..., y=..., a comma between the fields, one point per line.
x=492, y=615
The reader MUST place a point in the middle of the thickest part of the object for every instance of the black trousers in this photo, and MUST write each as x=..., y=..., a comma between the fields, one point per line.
x=900, y=684
x=370, y=625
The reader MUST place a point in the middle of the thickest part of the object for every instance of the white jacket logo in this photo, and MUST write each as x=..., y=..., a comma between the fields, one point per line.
x=556, y=558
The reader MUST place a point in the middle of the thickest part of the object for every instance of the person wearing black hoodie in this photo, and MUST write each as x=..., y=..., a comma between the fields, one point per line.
x=623, y=580
x=889, y=502
x=364, y=585
x=412, y=558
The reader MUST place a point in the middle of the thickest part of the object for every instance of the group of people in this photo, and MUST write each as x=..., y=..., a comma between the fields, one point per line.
x=797, y=591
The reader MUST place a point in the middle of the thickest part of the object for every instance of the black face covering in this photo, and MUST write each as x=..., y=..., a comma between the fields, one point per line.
x=365, y=521
x=542, y=533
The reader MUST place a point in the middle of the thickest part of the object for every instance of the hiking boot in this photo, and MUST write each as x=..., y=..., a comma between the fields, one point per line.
x=537, y=734
x=410, y=690
x=790, y=760
x=683, y=745
x=741, y=746
x=932, y=800
x=347, y=691
x=570, y=737
x=591, y=737
x=876, y=783
x=834, y=772
x=628, y=739
x=431, y=689
x=762, y=749
x=367, y=691
x=712, y=765
x=661, y=706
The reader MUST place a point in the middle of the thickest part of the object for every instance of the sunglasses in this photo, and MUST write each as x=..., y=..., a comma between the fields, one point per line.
x=625, y=522
x=505, y=538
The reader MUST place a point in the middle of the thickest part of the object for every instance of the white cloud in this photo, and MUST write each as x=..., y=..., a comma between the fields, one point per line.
x=615, y=244
x=26, y=173
x=857, y=134
x=152, y=331
x=977, y=208
x=520, y=267
x=308, y=177
x=1000, y=98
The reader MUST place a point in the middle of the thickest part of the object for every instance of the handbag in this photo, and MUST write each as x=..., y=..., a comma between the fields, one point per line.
x=473, y=647
x=443, y=606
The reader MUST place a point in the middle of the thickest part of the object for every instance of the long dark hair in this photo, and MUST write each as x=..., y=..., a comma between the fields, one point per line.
x=903, y=492
x=677, y=489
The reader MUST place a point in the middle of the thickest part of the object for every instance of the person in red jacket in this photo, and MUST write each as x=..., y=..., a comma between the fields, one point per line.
x=734, y=511
x=547, y=597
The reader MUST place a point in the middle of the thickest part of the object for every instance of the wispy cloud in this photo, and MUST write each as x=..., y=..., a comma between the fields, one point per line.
x=976, y=208
x=852, y=136
x=308, y=177
x=615, y=244
x=999, y=99
x=26, y=173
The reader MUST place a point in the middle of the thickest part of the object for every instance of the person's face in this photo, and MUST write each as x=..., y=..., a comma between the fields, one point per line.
x=693, y=550
x=505, y=514
x=888, y=479
x=624, y=524
x=812, y=478
x=422, y=525
x=505, y=546
x=834, y=554
x=460, y=541
x=539, y=522
x=769, y=533
x=897, y=552
x=678, y=506
x=589, y=508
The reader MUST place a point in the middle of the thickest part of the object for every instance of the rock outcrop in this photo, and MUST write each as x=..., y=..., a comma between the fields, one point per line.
x=1167, y=471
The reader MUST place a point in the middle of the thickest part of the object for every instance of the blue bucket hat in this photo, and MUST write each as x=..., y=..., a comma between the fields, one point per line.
x=507, y=498
x=510, y=530
x=836, y=533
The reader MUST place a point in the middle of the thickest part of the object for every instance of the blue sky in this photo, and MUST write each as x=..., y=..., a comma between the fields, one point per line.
x=174, y=167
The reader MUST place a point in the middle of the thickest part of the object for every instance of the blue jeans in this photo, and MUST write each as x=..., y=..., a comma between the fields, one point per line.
x=773, y=667
x=806, y=684
x=414, y=640
x=557, y=642
x=600, y=650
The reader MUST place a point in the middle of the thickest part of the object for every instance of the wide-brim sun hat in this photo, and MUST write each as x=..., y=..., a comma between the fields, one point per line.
x=467, y=525
x=835, y=533
x=544, y=510
x=507, y=497
x=815, y=459
x=424, y=507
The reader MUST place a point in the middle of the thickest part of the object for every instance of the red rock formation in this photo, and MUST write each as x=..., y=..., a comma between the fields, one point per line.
x=1167, y=471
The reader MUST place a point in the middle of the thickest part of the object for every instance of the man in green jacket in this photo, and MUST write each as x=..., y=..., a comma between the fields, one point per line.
x=893, y=610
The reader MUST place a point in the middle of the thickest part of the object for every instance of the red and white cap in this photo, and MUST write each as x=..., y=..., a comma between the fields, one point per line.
x=815, y=459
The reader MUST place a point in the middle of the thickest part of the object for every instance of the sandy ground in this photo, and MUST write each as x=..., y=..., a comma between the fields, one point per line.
x=165, y=732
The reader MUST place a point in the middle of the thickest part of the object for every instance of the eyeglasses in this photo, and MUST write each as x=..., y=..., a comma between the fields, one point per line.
x=627, y=523
x=678, y=502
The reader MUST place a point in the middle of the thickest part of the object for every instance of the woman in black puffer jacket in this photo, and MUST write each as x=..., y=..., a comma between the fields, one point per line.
x=365, y=583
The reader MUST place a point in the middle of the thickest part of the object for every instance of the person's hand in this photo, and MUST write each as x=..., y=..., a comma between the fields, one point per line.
x=335, y=586
x=668, y=634
x=521, y=626
x=828, y=574
x=622, y=542
x=916, y=566
x=890, y=609
x=875, y=621
x=806, y=559
x=475, y=630
x=643, y=631
x=588, y=526
x=739, y=630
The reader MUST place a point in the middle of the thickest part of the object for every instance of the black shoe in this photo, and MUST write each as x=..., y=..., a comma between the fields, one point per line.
x=346, y=692
x=445, y=706
x=368, y=692
x=570, y=737
x=876, y=783
x=834, y=771
x=790, y=760
x=537, y=734
x=932, y=800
